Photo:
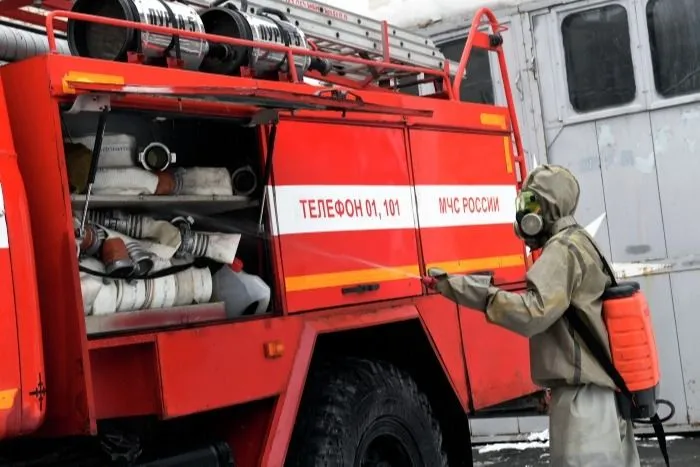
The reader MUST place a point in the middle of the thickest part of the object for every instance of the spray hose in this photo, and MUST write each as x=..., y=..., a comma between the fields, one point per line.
x=668, y=417
x=252, y=229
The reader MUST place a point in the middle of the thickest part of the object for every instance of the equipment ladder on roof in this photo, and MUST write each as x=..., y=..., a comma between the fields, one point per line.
x=331, y=30
x=341, y=32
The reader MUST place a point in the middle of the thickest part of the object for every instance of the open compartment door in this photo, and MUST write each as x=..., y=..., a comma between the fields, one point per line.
x=330, y=99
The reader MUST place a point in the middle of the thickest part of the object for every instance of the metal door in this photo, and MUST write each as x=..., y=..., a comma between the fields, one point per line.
x=593, y=88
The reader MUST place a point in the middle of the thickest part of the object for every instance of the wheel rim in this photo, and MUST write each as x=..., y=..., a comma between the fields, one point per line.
x=387, y=443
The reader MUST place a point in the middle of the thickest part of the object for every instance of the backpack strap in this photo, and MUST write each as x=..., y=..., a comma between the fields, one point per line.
x=600, y=353
x=606, y=265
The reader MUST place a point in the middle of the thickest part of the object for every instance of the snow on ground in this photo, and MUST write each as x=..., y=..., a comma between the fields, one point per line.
x=534, y=441
x=541, y=441
x=649, y=442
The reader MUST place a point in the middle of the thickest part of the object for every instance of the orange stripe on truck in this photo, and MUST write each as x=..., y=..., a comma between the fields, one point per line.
x=507, y=145
x=479, y=264
x=7, y=398
x=386, y=274
x=493, y=120
x=337, y=279
x=81, y=77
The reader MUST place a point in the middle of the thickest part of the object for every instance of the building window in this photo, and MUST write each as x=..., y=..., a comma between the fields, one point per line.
x=599, y=69
x=477, y=85
x=674, y=38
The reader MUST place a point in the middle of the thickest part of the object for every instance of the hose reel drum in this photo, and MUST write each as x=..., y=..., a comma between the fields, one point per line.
x=86, y=39
x=269, y=25
x=266, y=25
x=156, y=157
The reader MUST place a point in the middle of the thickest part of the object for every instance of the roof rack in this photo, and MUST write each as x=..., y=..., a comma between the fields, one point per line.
x=329, y=29
x=347, y=34
x=364, y=52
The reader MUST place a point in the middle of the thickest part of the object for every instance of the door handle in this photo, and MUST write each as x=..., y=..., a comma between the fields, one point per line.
x=360, y=288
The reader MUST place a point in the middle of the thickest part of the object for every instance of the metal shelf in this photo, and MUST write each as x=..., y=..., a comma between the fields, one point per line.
x=129, y=321
x=204, y=205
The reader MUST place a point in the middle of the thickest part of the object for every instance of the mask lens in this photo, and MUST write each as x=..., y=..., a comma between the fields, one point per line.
x=527, y=202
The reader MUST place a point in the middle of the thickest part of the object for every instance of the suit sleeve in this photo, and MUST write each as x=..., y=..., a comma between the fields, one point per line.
x=550, y=285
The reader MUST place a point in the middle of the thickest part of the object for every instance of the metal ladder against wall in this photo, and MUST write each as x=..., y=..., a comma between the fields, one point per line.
x=341, y=32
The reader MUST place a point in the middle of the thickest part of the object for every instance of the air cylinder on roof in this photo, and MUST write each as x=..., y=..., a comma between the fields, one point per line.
x=266, y=25
x=87, y=39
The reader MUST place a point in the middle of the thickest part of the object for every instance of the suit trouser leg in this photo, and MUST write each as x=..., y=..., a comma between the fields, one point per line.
x=586, y=430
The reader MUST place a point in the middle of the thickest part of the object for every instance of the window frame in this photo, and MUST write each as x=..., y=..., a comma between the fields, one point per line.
x=566, y=114
x=573, y=56
x=656, y=100
x=644, y=10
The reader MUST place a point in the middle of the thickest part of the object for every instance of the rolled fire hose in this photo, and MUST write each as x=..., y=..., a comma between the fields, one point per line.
x=244, y=181
x=156, y=157
x=18, y=44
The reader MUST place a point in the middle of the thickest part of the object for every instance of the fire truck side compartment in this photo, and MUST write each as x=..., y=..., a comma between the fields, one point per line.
x=177, y=373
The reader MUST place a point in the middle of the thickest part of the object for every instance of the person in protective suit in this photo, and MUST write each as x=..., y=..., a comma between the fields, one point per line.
x=585, y=426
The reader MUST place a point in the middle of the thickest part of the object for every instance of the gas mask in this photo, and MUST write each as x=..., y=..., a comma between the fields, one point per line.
x=529, y=224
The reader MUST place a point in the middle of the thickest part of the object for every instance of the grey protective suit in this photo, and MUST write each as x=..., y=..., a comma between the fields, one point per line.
x=586, y=429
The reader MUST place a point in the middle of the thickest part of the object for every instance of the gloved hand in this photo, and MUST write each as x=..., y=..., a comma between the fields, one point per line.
x=429, y=282
x=433, y=277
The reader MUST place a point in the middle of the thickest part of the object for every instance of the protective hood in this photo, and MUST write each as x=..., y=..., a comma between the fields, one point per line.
x=558, y=191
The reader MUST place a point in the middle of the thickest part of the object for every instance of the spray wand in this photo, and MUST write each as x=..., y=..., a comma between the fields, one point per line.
x=254, y=230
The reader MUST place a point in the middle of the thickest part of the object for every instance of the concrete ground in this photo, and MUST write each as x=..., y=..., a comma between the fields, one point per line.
x=683, y=452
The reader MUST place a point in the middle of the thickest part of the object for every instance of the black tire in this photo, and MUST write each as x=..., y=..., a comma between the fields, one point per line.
x=361, y=413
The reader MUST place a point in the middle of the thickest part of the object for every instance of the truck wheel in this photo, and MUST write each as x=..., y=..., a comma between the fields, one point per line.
x=361, y=413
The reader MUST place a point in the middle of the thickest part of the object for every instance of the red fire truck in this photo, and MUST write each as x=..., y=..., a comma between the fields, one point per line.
x=206, y=260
